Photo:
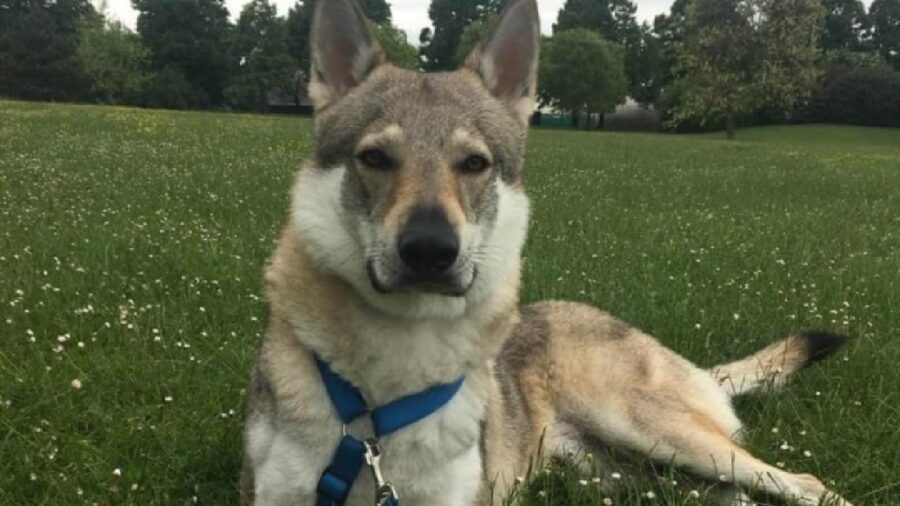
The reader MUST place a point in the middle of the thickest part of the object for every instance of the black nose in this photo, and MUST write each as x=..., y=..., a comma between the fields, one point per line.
x=428, y=244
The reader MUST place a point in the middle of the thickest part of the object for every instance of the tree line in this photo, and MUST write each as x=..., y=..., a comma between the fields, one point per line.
x=183, y=54
x=706, y=63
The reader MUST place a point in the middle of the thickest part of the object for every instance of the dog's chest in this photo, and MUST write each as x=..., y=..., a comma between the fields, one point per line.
x=436, y=461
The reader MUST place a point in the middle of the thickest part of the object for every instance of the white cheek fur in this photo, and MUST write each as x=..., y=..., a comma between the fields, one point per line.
x=334, y=245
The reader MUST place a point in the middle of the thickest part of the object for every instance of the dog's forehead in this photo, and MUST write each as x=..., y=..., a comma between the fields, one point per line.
x=436, y=104
x=428, y=108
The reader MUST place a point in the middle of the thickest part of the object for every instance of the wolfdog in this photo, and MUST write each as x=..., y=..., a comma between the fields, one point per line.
x=397, y=277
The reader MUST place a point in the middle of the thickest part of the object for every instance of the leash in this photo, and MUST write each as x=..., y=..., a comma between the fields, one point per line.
x=337, y=479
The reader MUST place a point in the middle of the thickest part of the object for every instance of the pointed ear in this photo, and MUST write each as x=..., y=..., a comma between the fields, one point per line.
x=342, y=48
x=508, y=61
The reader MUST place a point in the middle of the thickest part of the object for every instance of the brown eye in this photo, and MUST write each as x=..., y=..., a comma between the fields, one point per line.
x=475, y=164
x=375, y=159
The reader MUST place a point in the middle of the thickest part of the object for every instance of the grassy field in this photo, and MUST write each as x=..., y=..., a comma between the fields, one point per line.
x=132, y=242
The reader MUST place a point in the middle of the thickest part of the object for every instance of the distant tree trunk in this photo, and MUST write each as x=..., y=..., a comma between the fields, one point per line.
x=574, y=119
x=729, y=125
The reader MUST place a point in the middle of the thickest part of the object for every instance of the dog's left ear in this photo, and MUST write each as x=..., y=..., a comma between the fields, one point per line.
x=508, y=60
x=342, y=48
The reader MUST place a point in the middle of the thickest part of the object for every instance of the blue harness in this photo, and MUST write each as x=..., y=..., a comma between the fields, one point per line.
x=337, y=480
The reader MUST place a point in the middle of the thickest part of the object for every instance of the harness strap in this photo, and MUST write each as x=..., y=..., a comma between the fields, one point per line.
x=409, y=409
x=345, y=397
x=335, y=483
x=337, y=479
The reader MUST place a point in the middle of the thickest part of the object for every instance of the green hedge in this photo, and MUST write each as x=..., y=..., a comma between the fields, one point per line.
x=857, y=95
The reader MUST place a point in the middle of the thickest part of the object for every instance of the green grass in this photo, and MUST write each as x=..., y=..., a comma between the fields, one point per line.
x=132, y=243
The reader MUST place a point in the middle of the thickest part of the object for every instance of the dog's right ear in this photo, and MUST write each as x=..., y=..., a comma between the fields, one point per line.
x=342, y=48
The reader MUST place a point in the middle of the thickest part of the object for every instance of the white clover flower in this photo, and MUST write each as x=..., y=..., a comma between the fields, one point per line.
x=76, y=384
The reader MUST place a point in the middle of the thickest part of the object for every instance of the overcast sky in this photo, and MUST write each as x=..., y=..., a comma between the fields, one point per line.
x=410, y=15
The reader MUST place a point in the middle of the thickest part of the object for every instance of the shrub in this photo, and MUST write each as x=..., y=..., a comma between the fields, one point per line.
x=168, y=88
x=859, y=95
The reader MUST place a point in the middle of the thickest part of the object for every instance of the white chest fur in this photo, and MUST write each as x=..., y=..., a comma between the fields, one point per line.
x=435, y=461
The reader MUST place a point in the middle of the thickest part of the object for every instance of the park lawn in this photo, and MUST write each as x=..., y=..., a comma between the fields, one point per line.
x=132, y=244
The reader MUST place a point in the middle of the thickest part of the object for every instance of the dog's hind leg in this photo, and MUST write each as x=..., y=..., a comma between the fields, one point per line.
x=621, y=387
x=692, y=441
x=675, y=414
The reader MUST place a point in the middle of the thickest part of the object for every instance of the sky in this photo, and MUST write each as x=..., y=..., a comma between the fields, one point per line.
x=410, y=15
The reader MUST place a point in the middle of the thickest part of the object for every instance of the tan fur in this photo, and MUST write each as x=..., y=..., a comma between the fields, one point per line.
x=623, y=387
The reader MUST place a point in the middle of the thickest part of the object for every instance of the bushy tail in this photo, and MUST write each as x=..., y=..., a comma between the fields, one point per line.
x=773, y=365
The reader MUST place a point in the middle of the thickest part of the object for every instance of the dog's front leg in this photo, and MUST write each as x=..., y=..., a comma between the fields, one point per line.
x=284, y=469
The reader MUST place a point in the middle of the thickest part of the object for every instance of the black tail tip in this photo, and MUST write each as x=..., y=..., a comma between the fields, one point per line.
x=821, y=344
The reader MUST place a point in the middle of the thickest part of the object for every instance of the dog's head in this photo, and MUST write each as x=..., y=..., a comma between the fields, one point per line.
x=415, y=191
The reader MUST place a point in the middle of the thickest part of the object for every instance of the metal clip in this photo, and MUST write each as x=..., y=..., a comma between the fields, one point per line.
x=385, y=493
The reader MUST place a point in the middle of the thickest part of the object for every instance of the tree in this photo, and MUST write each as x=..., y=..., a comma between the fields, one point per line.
x=398, y=50
x=582, y=73
x=38, y=40
x=739, y=55
x=885, y=16
x=450, y=18
x=378, y=11
x=788, y=36
x=190, y=38
x=112, y=59
x=299, y=21
x=261, y=58
x=473, y=36
x=718, y=62
x=668, y=31
x=612, y=19
x=643, y=66
x=846, y=25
